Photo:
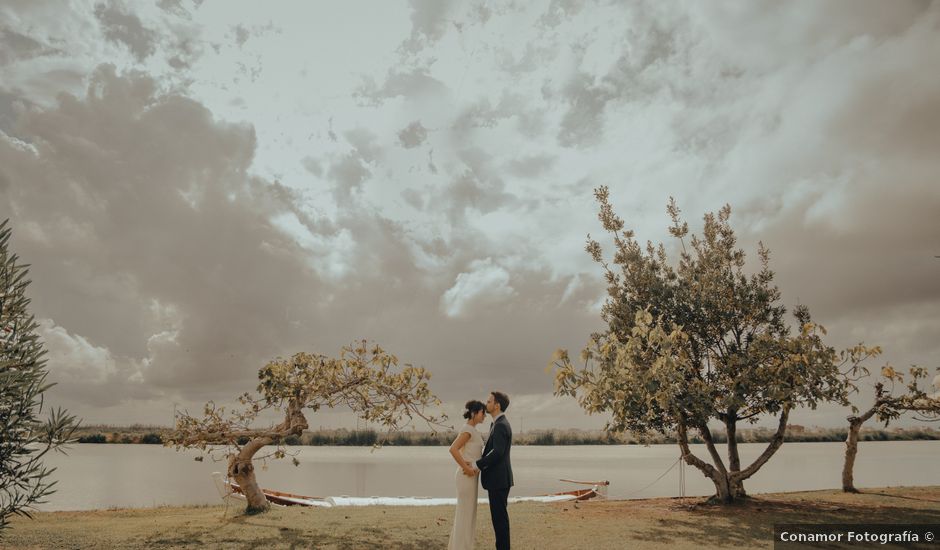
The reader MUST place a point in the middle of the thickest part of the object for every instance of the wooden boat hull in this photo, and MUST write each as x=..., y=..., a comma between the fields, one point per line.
x=282, y=498
x=228, y=488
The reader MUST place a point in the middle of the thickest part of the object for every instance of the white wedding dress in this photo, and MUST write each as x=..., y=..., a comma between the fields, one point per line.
x=468, y=488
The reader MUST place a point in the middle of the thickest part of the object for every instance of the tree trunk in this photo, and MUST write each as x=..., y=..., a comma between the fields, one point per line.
x=718, y=476
x=737, y=478
x=734, y=459
x=723, y=490
x=240, y=467
x=242, y=471
x=724, y=487
x=851, y=449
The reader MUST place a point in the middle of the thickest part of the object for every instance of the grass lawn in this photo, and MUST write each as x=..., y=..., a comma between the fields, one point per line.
x=654, y=523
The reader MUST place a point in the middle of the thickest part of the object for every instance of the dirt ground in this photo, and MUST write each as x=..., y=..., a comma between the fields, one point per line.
x=654, y=523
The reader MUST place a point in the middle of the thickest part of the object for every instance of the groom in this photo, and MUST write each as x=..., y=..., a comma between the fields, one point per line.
x=495, y=468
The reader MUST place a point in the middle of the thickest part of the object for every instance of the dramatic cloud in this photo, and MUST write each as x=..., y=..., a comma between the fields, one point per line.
x=147, y=236
x=223, y=192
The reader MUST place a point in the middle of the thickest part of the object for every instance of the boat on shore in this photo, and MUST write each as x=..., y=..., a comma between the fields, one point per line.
x=228, y=489
x=232, y=489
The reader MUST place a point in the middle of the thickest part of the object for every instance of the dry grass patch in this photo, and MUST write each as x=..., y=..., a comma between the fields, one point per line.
x=654, y=523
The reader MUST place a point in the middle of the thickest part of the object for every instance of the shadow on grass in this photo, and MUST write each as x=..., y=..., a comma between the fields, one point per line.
x=751, y=523
x=898, y=496
x=332, y=535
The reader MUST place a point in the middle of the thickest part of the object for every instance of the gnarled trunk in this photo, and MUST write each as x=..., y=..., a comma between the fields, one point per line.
x=240, y=466
x=242, y=471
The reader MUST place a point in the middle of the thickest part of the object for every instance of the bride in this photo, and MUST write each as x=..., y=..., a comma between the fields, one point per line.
x=466, y=449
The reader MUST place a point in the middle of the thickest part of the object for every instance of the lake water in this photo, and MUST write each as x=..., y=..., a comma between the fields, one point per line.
x=103, y=476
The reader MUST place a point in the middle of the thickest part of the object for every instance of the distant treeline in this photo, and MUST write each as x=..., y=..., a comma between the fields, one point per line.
x=814, y=436
x=136, y=433
x=368, y=437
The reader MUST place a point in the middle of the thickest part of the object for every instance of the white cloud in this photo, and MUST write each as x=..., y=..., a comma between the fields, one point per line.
x=74, y=356
x=89, y=372
x=486, y=285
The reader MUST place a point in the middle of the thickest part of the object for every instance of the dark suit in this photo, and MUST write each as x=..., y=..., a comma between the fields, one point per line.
x=496, y=477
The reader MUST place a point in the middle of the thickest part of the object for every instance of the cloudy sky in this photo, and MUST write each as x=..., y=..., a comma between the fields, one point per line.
x=200, y=186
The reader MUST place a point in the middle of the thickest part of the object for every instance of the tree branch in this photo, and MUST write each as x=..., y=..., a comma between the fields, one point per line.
x=775, y=444
x=710, y=445
x=690, y=458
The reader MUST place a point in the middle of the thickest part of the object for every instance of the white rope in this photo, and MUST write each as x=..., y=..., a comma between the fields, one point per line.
x=629, y=495
x=681, y=478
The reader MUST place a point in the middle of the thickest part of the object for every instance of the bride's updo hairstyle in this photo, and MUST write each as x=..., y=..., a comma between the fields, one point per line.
x=472, y=407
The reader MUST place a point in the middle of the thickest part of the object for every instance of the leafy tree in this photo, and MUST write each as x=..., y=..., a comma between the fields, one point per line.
x=887, y=407
x=25, y=438
x=365, y=380
x=697, y=343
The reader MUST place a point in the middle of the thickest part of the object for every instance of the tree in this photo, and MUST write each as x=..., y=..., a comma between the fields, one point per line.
x=25, y=439
x=887, y=407
x=363, y=379
x=699, y=343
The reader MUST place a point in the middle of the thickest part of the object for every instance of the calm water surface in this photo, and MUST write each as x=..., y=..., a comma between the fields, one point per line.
x=103, y=476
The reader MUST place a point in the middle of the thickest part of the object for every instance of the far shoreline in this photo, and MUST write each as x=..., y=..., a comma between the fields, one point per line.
x=160, y=435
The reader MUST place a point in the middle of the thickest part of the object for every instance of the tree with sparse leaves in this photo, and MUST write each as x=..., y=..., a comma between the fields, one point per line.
x=25, y=438
x=366, y=380
x=886, y=407
x=697, y=343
